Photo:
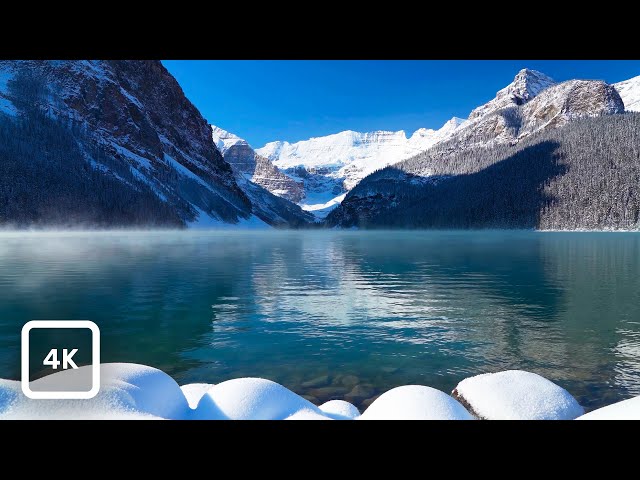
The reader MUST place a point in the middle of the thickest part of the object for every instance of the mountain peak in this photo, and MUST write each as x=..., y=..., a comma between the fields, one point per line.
x=525, y=86
x=528, y=83
x=225, y=140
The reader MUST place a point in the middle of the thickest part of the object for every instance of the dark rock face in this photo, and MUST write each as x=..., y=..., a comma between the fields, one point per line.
x=463, y=401
x=262, y=172
x=256, y=168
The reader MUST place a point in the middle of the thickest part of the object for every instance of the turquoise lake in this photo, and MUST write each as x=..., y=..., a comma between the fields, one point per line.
x=340, y=314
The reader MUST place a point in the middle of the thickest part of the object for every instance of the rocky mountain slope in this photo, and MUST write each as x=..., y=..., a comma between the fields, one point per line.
x=113, y=143
x=505, y=133
x=330, y=166
x=259, y=170
x=629, y=90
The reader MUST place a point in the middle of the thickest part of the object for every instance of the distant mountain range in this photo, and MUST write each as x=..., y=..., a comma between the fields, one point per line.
x=116, y=143
x=323, y=170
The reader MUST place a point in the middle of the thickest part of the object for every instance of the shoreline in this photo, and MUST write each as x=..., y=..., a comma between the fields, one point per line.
x=133, y=391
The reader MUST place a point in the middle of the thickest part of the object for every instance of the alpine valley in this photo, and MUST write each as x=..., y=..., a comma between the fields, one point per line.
x=105, y=144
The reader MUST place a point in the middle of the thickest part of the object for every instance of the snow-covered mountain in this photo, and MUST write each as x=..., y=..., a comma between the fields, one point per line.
x=526, y=85
x=116, y=143
x=255, y=168
x=532, y=104
x=330, y=166
x=629, y=90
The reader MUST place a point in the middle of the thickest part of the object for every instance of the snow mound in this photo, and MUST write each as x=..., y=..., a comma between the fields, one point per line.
x=339, y=410
x=193, y=392
x=415, y=402
x=625, y=410
x=307, y=415
x=251, y=399
x=128, y=391
x=516, y=395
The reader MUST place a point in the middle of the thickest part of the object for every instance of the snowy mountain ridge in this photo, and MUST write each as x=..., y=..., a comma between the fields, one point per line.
x=629, y=90
x=332, y=165
x=453, y=168
x=525, y=86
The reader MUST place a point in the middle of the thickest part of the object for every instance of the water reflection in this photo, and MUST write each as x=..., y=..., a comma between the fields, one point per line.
x=309, y=309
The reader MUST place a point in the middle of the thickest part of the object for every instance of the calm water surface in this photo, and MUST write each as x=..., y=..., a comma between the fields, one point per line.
x=340, y=314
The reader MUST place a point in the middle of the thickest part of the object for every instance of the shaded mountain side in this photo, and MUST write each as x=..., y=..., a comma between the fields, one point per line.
x=585, y=175
x=261, y=171
x=124, y=145
x=47, y=181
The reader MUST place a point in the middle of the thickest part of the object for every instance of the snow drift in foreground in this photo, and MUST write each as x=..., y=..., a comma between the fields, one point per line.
x=625, y=410
x=131, y=391
x=516, y=395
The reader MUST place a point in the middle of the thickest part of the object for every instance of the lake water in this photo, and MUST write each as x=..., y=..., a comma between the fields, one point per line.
x=340, y=314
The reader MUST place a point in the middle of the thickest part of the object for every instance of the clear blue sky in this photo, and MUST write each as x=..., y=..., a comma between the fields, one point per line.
x=293, y=100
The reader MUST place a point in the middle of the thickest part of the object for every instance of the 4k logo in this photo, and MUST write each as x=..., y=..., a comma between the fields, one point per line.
x=59, y=346
x=67, y=358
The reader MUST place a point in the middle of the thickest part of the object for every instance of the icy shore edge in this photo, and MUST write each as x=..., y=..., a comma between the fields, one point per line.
x=132, y=391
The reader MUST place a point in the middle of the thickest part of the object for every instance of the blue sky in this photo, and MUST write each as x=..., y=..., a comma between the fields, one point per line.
x=293, y=100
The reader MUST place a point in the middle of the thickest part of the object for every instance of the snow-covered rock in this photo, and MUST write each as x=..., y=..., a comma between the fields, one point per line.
x=308, y=415
x=516, y=395
x=132, y=391
x=415, y=402
x=128, y=391
x=625, y=410
x=193, y=392
x=252, y=399
x=340, y=410
x=629, y=90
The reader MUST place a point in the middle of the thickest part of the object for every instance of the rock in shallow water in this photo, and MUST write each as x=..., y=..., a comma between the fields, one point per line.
x=366, y=403
x=310, y=398
x=328, y=393
x=415, y=402
x=320, y=381
x=516, y=395
x=359, y=393
x=349, y=381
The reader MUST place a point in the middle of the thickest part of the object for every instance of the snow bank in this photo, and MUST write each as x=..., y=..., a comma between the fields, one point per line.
x=625, y=410
x=193, y=392
x=131, y=391
x=415, y=402
x=307, y=415
x=128, y=391
x=251, y=399
x=516, y=395
x=339, y=410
